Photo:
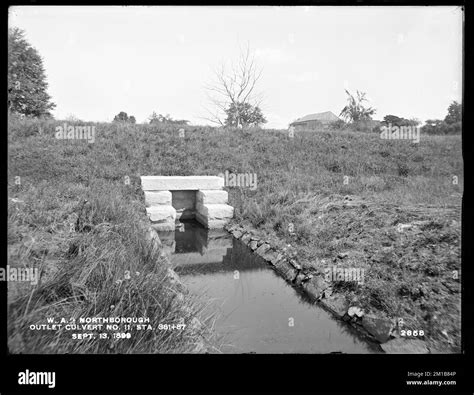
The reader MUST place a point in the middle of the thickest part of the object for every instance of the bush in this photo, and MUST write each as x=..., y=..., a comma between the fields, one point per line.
x=367, y=125
x=122, y=116
x=452, y=123
x=337, y=125
x=441, y=127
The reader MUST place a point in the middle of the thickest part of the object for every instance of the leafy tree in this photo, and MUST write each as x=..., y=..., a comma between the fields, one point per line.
x=397, y=121
x=155, y=119
x=393, y=119
x=437, y=126
x=123, y=117
x=27, y=86
x=354, y=111
x=454, y=113
x=73, y=118
x=434, y=122
x=452, y=123
x=244, y=114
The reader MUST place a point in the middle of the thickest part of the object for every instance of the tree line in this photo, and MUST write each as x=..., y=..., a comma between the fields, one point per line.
x=232, y=95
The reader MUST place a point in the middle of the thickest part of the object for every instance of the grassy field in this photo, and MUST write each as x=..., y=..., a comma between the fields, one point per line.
x=84, y=228
x=303, y=182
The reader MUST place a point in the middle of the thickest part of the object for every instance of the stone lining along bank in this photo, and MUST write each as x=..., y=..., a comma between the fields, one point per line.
x=381, y=330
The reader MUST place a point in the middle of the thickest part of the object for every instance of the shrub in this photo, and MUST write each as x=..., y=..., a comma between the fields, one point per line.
x=441, y=127
x=123, y=117
x=337, y=125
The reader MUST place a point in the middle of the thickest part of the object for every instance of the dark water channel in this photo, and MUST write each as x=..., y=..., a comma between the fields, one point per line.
x=257, y=311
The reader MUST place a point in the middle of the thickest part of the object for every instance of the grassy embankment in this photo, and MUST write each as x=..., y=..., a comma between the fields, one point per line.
x=95, y=258
x=301, y=181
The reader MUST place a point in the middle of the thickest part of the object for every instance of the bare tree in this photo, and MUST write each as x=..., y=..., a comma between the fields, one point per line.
x=233, y=86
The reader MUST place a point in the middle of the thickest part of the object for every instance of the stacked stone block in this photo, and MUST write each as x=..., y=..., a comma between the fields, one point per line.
x=205, y=192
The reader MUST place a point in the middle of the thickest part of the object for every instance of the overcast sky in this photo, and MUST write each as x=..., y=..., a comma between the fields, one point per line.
x=103, y=60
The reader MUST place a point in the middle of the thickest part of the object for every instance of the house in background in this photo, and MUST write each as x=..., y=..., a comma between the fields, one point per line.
x=315, y=121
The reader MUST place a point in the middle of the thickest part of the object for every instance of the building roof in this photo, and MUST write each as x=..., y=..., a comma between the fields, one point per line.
x=323, y=117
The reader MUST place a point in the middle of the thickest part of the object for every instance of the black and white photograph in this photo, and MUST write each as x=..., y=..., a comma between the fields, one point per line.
x=236, y=180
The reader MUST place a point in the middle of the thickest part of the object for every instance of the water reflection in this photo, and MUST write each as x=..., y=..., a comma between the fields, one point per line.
x=258, y=311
